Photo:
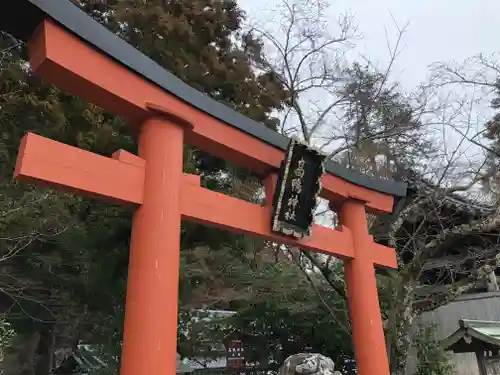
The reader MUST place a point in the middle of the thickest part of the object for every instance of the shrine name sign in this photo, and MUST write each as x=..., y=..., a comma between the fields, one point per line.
x=297, y=190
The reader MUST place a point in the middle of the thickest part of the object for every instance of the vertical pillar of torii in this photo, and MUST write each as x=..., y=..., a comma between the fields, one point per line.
x=153, y=182
x=152, y=286
x=364, y=307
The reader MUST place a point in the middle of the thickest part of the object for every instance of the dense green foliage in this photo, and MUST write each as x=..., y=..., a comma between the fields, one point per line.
x=432, y=359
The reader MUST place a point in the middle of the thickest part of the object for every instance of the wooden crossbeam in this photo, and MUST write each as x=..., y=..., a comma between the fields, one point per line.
x=63, y=59
x=56, y=165
x=120, y=180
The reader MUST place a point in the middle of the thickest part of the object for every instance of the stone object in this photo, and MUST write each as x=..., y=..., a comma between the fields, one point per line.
x=308, y=364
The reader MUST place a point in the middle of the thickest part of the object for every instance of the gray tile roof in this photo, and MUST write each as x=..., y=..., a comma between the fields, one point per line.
x=474, y=336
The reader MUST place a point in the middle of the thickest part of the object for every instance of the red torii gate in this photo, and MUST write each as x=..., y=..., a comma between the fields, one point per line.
x=71, y=50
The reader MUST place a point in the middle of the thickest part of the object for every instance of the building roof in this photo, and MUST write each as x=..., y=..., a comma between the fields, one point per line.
x=205, y=363
x=87, y=358
x=456, y=233
x=21, y=17
x=474, y=336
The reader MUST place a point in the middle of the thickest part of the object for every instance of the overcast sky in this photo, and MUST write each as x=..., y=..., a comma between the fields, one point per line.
x=438, y=29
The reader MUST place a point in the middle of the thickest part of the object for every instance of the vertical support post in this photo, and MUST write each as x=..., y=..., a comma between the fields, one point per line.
x=480, y=357
x=151, y=314
x=364, y=308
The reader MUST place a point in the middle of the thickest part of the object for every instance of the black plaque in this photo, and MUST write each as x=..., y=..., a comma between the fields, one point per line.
x=299, y=184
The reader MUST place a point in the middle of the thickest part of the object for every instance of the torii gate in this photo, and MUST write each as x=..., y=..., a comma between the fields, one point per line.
x=71, y=50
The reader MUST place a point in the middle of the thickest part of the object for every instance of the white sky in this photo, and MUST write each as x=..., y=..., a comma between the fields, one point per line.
x=438, y=29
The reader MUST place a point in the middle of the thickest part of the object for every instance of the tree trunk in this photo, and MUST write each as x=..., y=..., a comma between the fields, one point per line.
x=399, y=323
x=44, y=352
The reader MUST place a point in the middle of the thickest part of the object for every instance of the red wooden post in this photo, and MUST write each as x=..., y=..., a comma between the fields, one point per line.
x=149, y=344
x=364, y=308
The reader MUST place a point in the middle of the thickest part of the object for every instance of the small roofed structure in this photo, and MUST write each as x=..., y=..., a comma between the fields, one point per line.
x=480, y=337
